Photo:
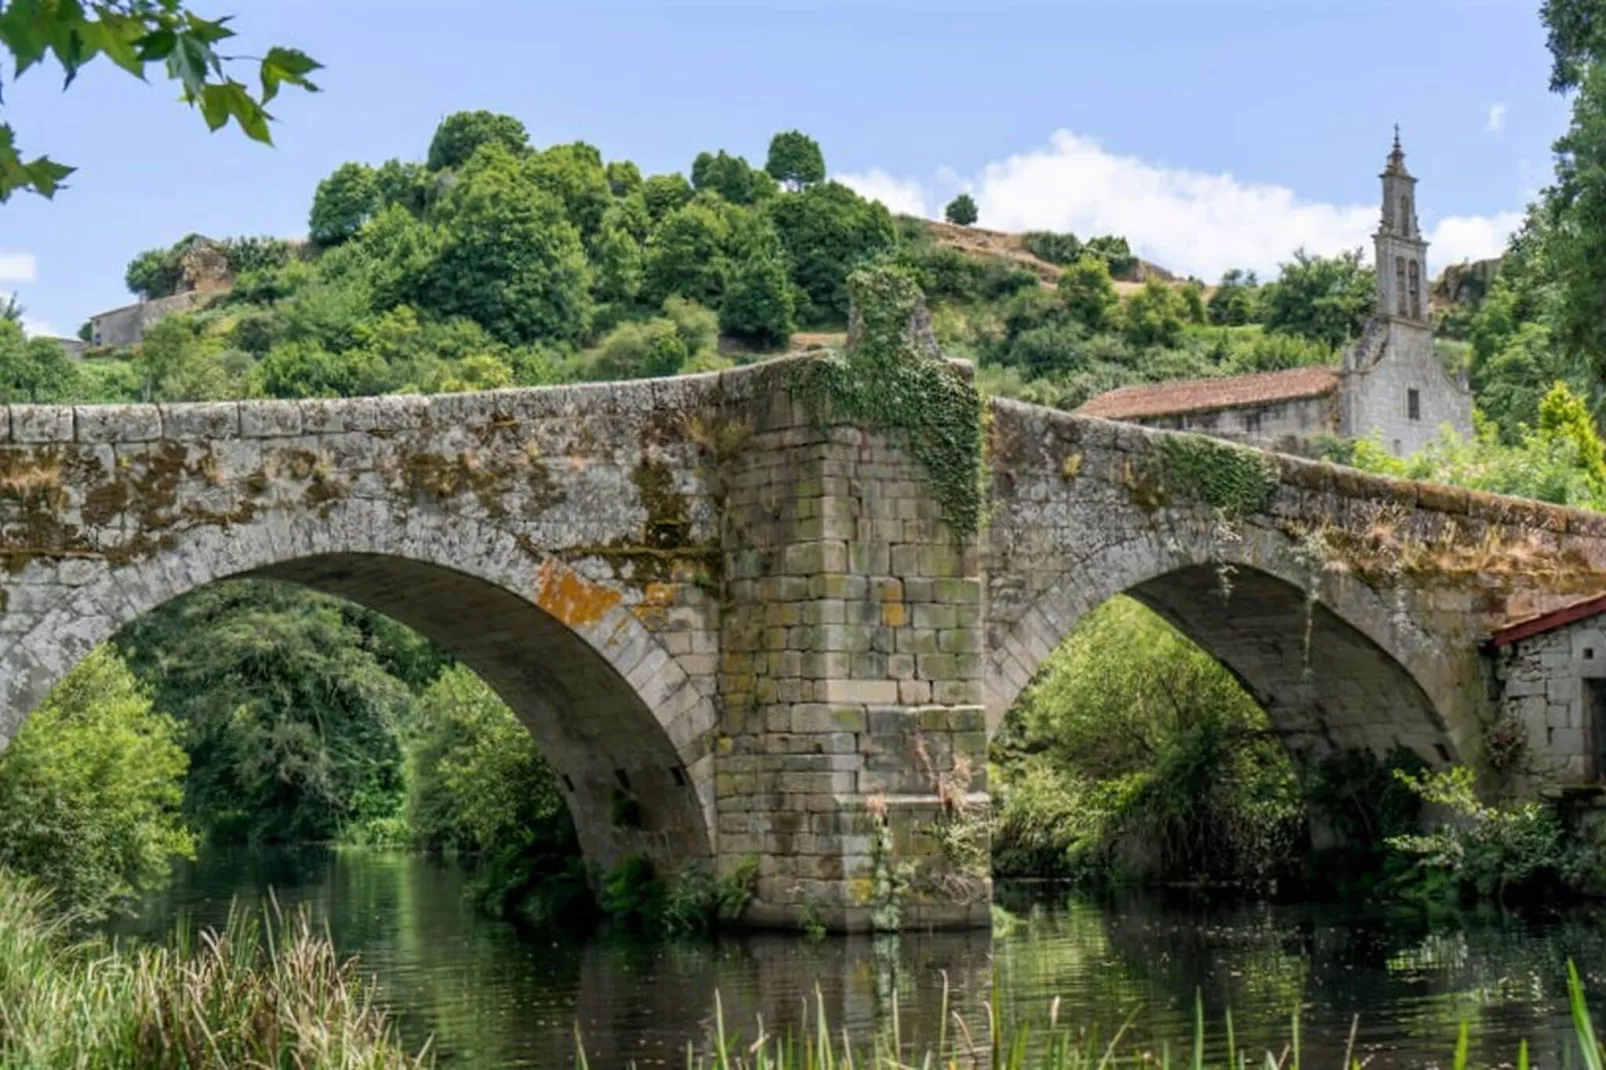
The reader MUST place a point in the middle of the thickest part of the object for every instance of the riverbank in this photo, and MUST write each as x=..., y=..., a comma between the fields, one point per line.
x=244, y=995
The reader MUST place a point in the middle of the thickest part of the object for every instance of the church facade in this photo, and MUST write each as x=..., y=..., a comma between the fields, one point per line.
x=1389, y=385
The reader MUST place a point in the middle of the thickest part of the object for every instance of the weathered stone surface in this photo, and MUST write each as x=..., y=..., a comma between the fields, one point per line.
x=760, y=629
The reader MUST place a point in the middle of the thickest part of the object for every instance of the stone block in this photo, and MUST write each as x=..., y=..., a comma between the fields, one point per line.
x=41, y=423
x=204, y=421
x=118, y=423
x=270, y=419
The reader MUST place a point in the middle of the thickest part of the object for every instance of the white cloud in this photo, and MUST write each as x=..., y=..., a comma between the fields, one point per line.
x=1477, y=237
x=16, y=266
x=1190, y=222
x=901, y=196
x=1497, y=118
x=39, y=328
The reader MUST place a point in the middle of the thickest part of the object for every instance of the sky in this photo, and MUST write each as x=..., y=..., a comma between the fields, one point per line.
x=1212, y=134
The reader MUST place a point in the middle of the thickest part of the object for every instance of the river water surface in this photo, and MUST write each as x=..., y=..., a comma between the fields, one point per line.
x=491, y=996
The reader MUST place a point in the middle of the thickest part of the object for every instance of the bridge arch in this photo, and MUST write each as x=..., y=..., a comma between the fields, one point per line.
x=610, y=707
x=1345, y=669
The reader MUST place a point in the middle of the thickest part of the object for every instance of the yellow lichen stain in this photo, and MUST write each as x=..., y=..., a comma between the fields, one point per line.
x=570, y=597
x=656, y=598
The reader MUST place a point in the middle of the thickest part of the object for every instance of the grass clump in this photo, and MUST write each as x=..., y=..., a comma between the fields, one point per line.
x=274, y=995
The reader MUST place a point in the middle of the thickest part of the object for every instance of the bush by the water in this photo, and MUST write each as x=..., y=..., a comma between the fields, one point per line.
x=279, y=997
x=92, y=790
x=1137, y=755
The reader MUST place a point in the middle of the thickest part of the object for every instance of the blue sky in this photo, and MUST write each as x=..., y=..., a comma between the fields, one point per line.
x=1213, y=133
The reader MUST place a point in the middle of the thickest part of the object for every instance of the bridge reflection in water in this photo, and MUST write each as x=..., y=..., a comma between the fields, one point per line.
x=495, y=997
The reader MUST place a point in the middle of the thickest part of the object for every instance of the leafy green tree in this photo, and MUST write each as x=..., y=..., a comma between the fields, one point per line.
x=34, y=370
x=477, y=783
x=639, y=351
x=92, y=791
x=1155, y=316
x=1192, y=294
x=758, y=303
x=133, y=35
x=303, y=368
x=1136, y=754
x=462, y=134
x=732, y=177
x=827, y=232
x=686, y=255
x=508, y=257
x=11, y=310
x=343, y=203
x=1114, y=251
x=155, y=272
x=1236, y=300
x=961, y=210
x=575, y=176
x=1089, y=294
x=624, y=178
x=663, y=194
x=176, y=362
x=291, y=720
x=616, y=262
x=795, y=160
x=1324, y=298
x=404, y=184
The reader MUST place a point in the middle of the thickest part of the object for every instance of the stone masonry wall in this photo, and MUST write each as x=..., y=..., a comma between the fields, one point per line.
x=1541, y=684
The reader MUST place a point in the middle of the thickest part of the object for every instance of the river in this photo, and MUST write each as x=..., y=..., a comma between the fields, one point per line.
x=492, y=996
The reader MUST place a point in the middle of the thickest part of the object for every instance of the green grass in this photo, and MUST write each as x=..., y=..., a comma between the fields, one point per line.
x=252, y=995
x=1051, y=1045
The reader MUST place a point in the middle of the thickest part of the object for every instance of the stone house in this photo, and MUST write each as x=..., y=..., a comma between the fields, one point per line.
x=205, y=273
x=1389, y=384
x=1550, y=676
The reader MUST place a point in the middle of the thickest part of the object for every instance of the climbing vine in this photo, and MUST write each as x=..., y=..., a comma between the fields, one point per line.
x=1237, y=480
x=887, y=379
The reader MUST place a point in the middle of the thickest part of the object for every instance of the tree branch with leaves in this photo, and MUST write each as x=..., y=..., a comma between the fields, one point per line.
x=135, y=35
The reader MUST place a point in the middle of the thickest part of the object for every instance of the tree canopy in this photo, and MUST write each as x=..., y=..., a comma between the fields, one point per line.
x=135, y=35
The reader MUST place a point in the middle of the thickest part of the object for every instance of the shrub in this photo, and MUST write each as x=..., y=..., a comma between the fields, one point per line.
x=961, y=210
x=91, y=791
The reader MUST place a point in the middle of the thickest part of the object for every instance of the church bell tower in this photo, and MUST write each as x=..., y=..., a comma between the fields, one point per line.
x=1401, y=252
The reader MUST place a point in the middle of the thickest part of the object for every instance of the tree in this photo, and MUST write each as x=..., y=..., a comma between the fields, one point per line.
x=156, y=272
x=1155, y=316
x=795, y=160
x=509, y=258
x=92, y=791
x=639, y=351
x=1089, y=294
x=663, y=194
x=133, y=35
x=292, y=720
x=1236, y=300
x=729, y=176
x=758, y=303
x=177, y=363
x=34, y=371
x=575, y=176
x=616, y=261
x=343, y=203
x=827, y=231
x=462, y=134
x=11, y=310
x=624, y=178
x=686, y=255
x=1324, y=298
x=961, y=210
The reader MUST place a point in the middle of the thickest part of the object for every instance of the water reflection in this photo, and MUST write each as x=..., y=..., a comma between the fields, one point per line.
x=492, y=996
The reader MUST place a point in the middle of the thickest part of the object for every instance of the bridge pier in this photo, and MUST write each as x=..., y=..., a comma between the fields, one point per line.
x=853, y=749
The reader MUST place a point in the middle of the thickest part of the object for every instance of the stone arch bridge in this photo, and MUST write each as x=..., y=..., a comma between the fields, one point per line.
x=757, y=626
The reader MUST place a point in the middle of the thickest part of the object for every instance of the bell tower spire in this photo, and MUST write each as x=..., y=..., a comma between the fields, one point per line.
x=1401, y=252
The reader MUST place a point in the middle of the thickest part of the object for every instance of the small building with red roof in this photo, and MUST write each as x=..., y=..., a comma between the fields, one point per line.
x=1550, y=672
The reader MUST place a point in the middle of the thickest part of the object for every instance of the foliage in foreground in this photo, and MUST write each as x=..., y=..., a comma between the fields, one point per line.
x=241, y=997
x=91, y=791
x=1052, y=1045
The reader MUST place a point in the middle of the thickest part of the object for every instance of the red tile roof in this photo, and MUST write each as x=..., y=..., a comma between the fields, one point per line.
x=1198, y=395
x=1549, y=622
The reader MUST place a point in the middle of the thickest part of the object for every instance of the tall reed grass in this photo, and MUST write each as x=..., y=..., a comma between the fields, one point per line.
x=1054, y=1045
x=270, y=993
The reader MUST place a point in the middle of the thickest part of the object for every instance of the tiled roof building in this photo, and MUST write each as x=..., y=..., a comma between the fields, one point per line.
x=1390, y=384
